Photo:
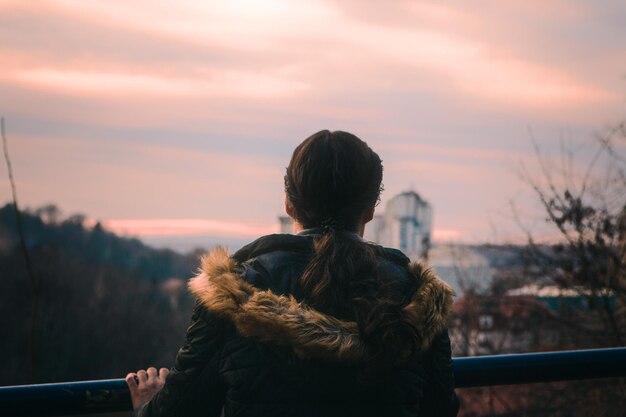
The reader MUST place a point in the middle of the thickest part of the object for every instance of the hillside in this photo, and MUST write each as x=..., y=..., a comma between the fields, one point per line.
x=94, y=245
x=101, y=305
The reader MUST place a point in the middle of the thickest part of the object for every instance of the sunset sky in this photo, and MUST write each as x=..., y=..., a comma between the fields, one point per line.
x=177, y=119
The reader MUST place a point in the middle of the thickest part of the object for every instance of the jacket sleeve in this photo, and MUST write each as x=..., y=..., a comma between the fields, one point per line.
x=439, y=396
x=192, y=387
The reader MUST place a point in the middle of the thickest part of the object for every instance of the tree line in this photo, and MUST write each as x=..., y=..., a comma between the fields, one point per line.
x=107, y=304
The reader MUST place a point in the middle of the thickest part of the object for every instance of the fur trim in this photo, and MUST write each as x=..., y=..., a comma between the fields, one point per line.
x=284, y=321
x=431, y=305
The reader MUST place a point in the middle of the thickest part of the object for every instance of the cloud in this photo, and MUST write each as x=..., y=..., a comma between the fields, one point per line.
x=150, y=109
x=241, y=84
x=290, y=53
x=446, y=235
x=233, y=22
x=111, y=179
x=187, y=227
x=427, y=151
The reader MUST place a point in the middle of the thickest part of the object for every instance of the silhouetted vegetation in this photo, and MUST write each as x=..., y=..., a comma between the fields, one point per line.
x=108, y=304
x=587, y=211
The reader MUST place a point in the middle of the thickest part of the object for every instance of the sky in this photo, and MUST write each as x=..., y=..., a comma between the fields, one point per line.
x=174, y=121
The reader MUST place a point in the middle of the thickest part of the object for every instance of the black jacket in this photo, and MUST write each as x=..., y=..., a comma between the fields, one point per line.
x=253, y=349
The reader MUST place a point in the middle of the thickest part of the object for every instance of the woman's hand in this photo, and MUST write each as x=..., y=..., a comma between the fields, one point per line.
x=143, y=385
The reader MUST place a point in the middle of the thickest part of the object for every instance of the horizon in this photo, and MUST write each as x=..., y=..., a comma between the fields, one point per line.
x=199, y=238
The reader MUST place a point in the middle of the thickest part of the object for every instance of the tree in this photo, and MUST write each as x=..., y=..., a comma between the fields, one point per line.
x=49, y=213
x=583, y=200
x=585, y=204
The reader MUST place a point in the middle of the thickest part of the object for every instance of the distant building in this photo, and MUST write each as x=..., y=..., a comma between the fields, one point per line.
x=557, y=298
x=286, y=225
x=406, y=224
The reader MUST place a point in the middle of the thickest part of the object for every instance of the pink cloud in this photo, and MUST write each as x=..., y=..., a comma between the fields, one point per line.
x=217, y=83
x=442, y=48
x=119, y=180
x=224, y=228
x=443, y=171
x=188, y=227
x=478, y=68
x=447, y=235
x=425, y=150
x=281, y=70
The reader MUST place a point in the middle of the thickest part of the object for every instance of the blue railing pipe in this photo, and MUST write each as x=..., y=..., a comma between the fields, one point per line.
x=527, y=368
x=111, y=395
x=65, y=398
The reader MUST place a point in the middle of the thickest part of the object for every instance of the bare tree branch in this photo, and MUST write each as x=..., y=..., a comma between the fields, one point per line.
x=34, y=282
x=18, y=217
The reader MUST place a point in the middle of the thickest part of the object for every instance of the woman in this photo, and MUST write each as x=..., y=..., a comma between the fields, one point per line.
x=320, y=323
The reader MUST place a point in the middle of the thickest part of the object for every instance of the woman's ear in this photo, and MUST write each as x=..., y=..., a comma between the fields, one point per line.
x=289, y=209
x=369, y=214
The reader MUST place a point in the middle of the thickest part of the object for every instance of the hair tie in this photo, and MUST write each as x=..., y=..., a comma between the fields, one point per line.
x=331, y=224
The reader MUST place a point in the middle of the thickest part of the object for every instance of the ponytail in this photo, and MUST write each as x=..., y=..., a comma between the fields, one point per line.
x=329, y=278
x=342, y=279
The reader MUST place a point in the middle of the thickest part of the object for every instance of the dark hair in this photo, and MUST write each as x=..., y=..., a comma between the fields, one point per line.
x=332, y=180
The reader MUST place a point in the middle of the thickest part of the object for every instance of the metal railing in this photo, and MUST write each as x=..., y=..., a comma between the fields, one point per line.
x=111, y=395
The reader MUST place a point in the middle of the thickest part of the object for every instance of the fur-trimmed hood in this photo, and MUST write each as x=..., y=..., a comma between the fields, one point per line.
x=282, y=320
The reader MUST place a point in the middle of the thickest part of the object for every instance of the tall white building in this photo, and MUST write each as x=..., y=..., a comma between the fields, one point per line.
x=286, y=225
x=406, y=224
